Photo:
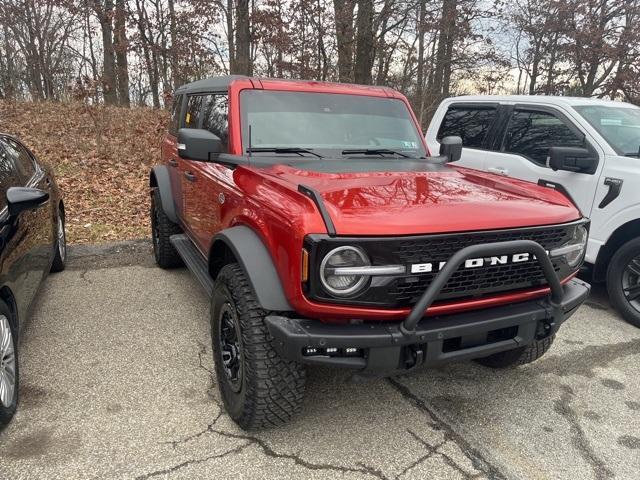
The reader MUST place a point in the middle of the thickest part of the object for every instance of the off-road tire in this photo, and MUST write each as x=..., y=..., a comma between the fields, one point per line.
x=615, y=271
x=162, y=228
x=6, y=413
x=61, y=253
x=271, y=389
x=518, y=356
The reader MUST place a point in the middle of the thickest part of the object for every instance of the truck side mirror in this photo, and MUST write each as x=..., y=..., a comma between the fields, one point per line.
x=20, y=199
x=198, y=144
x=572, y=159
x=451, y=148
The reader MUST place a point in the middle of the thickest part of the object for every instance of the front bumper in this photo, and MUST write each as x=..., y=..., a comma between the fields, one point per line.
x=426, y=341
x=383, y=347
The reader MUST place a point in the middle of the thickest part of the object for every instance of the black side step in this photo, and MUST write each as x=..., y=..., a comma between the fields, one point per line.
x=193, y=260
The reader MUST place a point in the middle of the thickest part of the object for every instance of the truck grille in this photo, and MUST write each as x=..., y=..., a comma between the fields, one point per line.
x=469, y=283
x=466, y=283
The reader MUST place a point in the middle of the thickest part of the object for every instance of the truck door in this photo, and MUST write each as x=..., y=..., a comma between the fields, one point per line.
x=521, y=151
x=473, y=122
x=204, y=182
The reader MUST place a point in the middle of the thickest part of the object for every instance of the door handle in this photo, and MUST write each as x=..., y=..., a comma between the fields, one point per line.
x=615, y=185
x=173, y=162
x=498, y=170
x=190, y=176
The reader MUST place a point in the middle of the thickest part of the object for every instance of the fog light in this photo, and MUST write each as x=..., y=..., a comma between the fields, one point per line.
x=332, y=350
x=308, y=351
x=351, y=351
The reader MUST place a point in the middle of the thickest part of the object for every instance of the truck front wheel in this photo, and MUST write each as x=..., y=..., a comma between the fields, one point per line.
x=518, y=356
x=258, y=387
x=623, y=281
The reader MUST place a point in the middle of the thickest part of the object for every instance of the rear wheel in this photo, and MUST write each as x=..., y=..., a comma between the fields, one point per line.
x=162, y=228
x=623, y=281
x=9, y=374
x=518, y=356
x=258, y=387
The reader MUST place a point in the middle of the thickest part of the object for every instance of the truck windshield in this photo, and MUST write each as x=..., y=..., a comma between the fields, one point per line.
x=620, y=126
x=330, y=124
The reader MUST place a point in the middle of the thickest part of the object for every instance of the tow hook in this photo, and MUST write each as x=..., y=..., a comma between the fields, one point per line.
x=414, y=356
x=545, y=329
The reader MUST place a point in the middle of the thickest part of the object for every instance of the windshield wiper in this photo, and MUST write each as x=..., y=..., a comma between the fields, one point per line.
x=375, y=151
x=297, y=150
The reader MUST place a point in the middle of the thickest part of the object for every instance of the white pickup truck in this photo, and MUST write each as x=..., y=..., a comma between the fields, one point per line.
x=589, y=149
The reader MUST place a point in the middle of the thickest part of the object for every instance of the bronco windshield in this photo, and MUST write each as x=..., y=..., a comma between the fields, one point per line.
x=620, y=126
x=328, y=124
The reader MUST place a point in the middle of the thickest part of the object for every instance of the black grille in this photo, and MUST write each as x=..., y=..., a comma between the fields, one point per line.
x=466, y=283
x=473, y=282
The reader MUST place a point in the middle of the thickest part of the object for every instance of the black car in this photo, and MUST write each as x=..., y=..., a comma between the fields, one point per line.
x=32, y=243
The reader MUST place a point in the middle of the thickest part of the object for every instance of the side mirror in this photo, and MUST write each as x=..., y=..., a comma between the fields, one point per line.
x=198, y=144
x=572, y=159
x=20, y=199
x=451, y=148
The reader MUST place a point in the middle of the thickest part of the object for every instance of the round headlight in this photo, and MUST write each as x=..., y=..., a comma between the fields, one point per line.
x=342, y=285
x=579, y=240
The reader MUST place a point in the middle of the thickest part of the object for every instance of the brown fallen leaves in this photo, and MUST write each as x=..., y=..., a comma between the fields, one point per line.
x=101, y=156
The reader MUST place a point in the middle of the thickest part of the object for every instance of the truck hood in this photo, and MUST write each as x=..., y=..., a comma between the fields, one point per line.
x=440, y=199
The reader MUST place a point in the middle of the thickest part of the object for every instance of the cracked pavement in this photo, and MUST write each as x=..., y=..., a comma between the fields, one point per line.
x=117, y=383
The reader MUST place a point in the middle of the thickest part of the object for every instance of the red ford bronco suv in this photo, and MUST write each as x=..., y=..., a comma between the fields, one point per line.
x=325, y=234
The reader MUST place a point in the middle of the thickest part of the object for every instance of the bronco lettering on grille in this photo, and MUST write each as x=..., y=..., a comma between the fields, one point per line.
x=429, y=267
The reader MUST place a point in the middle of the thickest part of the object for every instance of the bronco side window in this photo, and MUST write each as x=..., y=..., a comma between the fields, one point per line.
x=215, y=116
x=471, y=123
x=192, y=116
x=532, y=133
x=176, y=106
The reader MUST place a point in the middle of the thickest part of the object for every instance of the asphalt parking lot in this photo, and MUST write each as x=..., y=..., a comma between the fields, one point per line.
x=117, y=383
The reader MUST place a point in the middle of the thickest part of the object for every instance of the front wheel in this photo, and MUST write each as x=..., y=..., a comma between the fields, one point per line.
x=60, y=256
x=623, y=281
x=162, y=228
x=258, y=387
x=8, y=366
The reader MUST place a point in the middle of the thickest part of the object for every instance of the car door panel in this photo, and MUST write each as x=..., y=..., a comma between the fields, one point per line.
x=537, y=140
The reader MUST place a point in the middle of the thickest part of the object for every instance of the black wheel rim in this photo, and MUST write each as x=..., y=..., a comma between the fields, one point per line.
x=631, y=282
x=230, y=346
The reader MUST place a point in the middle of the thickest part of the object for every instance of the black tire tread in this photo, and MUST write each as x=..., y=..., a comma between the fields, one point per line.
x=58, y=262
x=6, y=414
x=518, y=356
x=274, y=386
x=615, y=269
x=165, y=253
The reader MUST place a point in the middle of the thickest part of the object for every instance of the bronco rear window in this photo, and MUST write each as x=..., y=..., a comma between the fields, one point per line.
x=326, y=121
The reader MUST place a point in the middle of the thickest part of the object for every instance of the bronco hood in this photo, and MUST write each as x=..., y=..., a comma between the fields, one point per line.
x=438, y=200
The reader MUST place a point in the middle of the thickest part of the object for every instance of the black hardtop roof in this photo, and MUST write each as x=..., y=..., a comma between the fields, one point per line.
x=209, y=84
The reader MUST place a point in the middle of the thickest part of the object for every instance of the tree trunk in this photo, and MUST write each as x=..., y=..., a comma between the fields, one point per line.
x=344, y=38
x=121, y=47
x=105, y=17
x=445, y=49
x=242, y=64
x=419, y=100
x=365, y=50
x=176, y=75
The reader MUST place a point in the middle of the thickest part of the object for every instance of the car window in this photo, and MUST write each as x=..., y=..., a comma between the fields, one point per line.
x=620, y=126
x=175, y=114
x=471, y=123
x=22, y=159
x=192, y=115
x=215, y=116
x=9, y=176
x=532, y=133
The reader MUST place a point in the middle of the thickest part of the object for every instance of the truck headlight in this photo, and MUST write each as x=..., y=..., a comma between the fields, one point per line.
x=334, y=271
x=573, y=251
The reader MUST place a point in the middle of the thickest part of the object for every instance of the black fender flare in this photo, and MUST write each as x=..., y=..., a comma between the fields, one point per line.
x=254, y=258
x=159, y=178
